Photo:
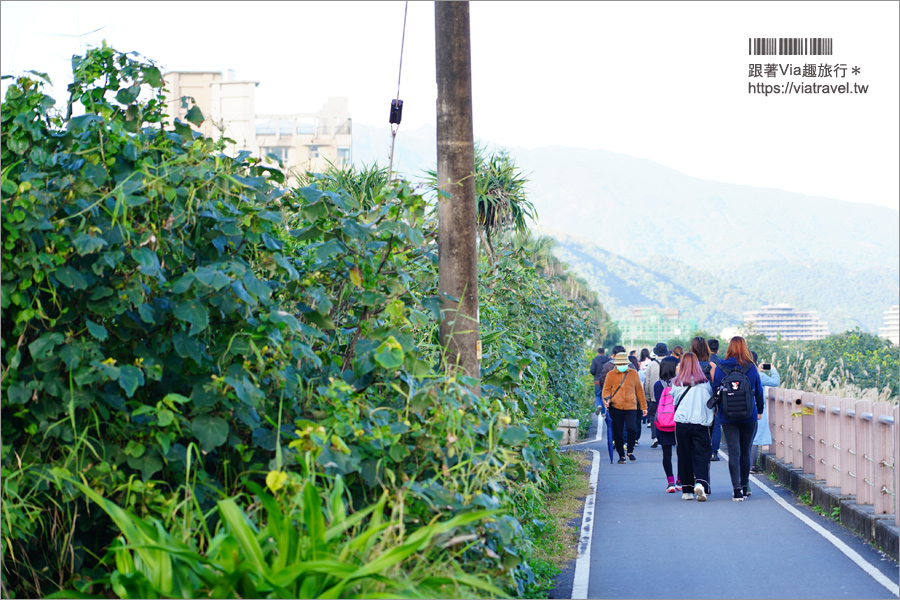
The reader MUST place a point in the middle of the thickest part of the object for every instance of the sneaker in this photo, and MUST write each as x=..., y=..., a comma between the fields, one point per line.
x=754, y=469
x=631, y=457
x=701, y=493
x=649, y=425
x=621, y=460
x=746, y=491
x=738, y=495
x=715, y=456
x=655, y=444
x=687, y=496
x=637, y=443
x=671, y=488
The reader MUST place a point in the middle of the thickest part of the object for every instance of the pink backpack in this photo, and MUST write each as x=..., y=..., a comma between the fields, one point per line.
x=665, y=411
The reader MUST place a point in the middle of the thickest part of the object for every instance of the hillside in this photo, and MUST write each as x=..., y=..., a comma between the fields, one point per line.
x=616, y=216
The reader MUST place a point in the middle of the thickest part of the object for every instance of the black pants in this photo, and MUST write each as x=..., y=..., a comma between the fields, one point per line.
x=624, y=422
x=739, y=437
x=667, y=460
x=693, y=450
x=651, y=416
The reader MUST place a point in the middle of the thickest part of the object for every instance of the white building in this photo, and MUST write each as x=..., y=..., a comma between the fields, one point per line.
x=301, y=141
x=791, y=323
x=891, y=328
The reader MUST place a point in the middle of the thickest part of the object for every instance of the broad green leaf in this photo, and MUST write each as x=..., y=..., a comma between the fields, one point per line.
x=193, y=312
x=210, y=431
x=43, y=346
x=86, y=244
x=195, y=116
x=389, y=354
x=514, y=435
x=97, y=330
x=147, y=260
x=212, y=278
x=130, y=378
x=129, y=94
x=71, y=278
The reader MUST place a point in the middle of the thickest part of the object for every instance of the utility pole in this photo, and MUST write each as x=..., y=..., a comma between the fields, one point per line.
x=457, y=222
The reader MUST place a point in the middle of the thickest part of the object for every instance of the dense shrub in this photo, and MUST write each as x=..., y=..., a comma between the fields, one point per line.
x=178, y=328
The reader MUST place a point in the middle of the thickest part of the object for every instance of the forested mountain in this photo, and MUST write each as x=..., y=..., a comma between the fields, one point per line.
x=728, y=248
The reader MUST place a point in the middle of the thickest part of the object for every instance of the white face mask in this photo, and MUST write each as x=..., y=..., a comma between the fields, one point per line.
x=622, y=368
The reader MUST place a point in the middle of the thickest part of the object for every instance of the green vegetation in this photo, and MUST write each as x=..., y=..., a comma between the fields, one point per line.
x=245, y=378
x=853, y=364
x=556, y=535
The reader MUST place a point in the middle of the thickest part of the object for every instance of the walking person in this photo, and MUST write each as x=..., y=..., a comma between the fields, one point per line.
x=596, y=366
x=645, y=359
x=691, y=392
x=717, y=425
x=651, y=376
x=768, y=377
x=665, y=412
x=740, y=403
x=623, y=397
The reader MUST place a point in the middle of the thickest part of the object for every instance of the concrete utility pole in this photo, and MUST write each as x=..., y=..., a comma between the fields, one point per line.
x=457, y=223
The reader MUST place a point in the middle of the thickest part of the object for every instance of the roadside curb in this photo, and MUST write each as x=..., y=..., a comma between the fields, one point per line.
x=879, y=530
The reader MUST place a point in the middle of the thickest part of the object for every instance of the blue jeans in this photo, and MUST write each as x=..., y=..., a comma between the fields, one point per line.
x=716, y=434
x=598, y=399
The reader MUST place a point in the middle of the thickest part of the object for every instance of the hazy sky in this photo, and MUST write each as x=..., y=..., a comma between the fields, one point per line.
x=665, y=81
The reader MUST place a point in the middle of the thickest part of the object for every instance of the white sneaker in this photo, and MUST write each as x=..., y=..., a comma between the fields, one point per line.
x=687, y=496
x=701, y=493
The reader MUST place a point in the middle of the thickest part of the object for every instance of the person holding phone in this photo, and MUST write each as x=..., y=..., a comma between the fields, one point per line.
x=768, y=377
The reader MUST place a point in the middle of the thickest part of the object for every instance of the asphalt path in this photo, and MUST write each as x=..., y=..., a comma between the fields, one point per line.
x=646, y=543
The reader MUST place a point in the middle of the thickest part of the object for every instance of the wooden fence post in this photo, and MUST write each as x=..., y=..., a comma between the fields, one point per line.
x=848, y=447
x=883, y=450
x=820, y=450
x=864, y=465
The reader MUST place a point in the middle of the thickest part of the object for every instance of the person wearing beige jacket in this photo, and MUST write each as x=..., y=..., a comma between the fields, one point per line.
x=623, y=396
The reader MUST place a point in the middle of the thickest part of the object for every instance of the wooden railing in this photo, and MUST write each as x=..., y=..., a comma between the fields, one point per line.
x=850, y=444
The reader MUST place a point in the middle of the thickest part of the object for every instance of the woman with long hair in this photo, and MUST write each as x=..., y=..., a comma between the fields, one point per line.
x=738, y=432
x=691, y=391
x=645, y=358
x=666, y=439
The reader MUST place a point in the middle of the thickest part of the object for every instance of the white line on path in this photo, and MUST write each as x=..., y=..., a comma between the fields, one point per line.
x=847, y=550
x=583, y=562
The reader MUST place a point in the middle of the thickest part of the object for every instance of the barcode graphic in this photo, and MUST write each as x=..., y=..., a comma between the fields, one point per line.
x=789, y=46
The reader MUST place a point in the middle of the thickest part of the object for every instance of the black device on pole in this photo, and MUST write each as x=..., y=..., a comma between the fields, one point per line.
x=396, y=111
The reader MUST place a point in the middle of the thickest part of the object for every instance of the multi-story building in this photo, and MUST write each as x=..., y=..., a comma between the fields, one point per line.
x=786, y=320
x=649, y=325
x=301, y=141
x=891, y=328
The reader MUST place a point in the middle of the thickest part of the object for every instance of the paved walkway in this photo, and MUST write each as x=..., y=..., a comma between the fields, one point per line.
x=646, y=543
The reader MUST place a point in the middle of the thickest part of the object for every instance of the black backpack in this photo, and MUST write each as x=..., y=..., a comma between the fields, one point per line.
x=736, y=394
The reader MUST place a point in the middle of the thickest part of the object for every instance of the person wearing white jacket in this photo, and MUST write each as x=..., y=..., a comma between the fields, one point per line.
x=763, y=436
x=690, y=391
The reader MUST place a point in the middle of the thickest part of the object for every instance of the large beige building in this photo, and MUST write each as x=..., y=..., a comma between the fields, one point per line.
x=791, y=323
x=891, y=328
x=301, y=141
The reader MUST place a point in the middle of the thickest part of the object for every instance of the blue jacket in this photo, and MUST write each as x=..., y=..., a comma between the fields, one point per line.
x=763, y=435
x=752, y=375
